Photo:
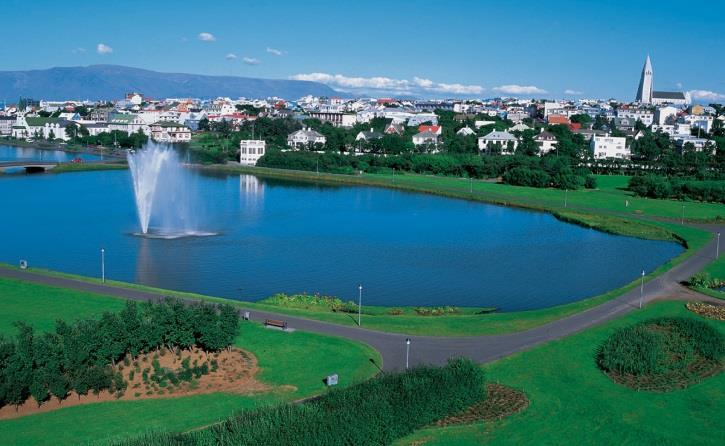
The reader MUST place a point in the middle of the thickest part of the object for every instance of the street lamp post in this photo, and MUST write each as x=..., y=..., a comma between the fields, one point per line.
x=682, y=219
x=566, y=195
x=471, y=184
x=407, y=353
x=717, y=247
x=103, y=265
x=641, y=291
x=359, y=305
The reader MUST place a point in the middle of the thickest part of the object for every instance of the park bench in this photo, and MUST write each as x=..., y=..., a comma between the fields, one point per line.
x=276, y=323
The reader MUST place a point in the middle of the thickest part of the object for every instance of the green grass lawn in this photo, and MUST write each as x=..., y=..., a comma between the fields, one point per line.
x=573, y=402
x=299, y=361
x=609, y=196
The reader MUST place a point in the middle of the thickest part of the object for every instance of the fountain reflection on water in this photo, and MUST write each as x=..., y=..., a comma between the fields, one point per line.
x=164, y=192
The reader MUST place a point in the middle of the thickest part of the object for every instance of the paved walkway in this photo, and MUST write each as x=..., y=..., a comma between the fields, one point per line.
x=437, y=350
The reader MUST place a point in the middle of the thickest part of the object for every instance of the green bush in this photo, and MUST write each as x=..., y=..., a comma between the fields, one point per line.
x=705, y=280
x=660, y=346
x=375, y=412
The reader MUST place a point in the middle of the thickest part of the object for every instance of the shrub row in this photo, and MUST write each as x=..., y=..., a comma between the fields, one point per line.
x=654, y=186
x=375, y=412
x=78, y=357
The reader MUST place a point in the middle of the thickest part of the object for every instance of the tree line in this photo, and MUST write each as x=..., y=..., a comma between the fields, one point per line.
x=80, y=356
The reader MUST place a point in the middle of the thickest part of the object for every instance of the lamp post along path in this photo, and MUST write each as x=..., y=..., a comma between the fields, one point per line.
x=641, y=290
x=407, y=353
x=103, y=265
x=359, y=305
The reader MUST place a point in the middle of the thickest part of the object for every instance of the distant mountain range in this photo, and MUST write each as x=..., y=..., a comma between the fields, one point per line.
x=106, y=82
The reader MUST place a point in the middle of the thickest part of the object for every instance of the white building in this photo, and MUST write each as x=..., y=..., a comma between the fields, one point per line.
x=609, y=147
x=546, y=142
x=644, y=116
x=426, y=137
x=305, y=138
x=165, y=131
x=699, y=144
x=662, y=114
x=505, y=140
x=251, y=150
x=702, y=122
x=129, y=123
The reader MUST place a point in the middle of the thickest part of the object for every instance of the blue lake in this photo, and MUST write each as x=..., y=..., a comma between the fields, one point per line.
x=275, y=236
x=8, y=153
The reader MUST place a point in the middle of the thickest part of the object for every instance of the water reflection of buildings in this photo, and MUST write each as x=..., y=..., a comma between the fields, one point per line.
x=251, y=194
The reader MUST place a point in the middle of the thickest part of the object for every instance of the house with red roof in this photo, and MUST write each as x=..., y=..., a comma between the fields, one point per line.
x=437, y=129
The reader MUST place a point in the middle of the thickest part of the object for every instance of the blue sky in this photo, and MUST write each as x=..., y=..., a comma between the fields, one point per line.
x=551, y=48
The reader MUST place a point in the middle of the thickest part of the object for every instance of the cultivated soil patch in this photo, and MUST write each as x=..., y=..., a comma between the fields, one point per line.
x=501, y=402
x=230, y=371
x=716, y=312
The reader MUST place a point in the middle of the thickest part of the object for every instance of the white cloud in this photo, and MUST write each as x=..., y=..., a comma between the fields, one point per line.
x=707, y=95
x=207, y=37
x=418, y=84
x=275, y=51
x=251, y=61
x=230, y=56
x=573, y=92
x=79, y=50
x=519, y=89
x=102, y=48
x=679, y=85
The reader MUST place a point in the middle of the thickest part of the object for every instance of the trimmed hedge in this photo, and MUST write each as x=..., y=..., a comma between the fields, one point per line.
x=654, y=186
x=375, y=412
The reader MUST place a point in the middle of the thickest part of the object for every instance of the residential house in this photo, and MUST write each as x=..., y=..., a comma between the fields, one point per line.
x=368, y=135
x=520, y=127
x=394, y=129
x=305, y=138
x=6, y=125
x=426, y=138
x=609, y=147
x=465, y=131
x=546, y=142
x=699, y=144
x=555, y=119
x=430, y=128
x=127, y=122
x=337, y=119
x=504, y=140
x=40, y=128
x=172, y=132
x=251, y=150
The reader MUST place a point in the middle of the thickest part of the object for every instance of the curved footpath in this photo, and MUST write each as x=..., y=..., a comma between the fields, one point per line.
x=437, y=350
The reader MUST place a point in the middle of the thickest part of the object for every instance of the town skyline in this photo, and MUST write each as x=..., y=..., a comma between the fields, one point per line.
x=547, y=52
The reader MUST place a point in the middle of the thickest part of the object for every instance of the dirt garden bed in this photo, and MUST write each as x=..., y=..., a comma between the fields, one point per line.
x=709, y=311
x=150, y=376
x=501, y=401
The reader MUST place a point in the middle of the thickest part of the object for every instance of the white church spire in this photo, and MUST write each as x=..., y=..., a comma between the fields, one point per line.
x=644, y=92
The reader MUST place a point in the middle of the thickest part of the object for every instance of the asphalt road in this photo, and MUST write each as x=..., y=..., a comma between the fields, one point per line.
x=437, y=350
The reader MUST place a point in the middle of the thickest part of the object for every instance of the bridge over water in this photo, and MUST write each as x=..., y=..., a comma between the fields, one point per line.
x=34, y=166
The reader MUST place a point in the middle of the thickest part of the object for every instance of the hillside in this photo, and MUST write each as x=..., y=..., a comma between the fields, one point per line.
x=113, y=81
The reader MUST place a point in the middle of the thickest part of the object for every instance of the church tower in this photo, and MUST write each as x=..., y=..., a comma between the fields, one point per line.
x=644, y=92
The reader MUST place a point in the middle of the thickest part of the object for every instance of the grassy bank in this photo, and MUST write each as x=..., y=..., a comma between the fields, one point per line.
x=573, y=402
x=294, y=363
x=610, y=196
x=88, y=166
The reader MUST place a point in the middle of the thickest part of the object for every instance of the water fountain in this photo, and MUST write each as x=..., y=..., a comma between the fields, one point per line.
x=164, y=194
